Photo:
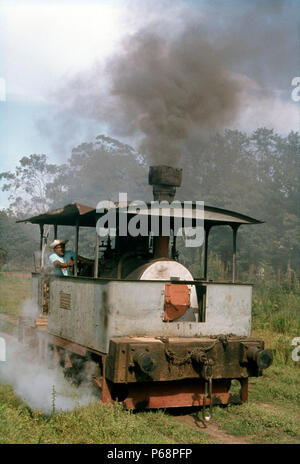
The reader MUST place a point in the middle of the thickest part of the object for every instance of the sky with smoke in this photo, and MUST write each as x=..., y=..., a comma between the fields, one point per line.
x=148, y=72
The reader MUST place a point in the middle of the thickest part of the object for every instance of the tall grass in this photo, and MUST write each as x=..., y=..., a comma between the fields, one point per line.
x=277, y=306
x=92, y=424
x=276, y=316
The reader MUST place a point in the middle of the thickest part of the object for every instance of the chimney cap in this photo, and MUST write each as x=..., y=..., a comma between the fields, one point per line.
x=165, y=175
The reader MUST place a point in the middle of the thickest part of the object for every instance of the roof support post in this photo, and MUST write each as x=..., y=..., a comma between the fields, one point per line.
x=76, y=246
x=41, y=236
x=234, y=230
x=41, y=246
x=96, y=256
x=55, y=231
x=206, y=234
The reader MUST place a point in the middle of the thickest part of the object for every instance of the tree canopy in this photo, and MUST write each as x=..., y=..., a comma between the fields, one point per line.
x=256, y=174
x=27, y=186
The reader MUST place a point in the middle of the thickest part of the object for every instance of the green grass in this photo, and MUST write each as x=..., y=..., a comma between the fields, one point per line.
x=277, y=308
x=279, y=386
x=272, y=412
x=13, y=291
x=259, y=424
x=96, y=423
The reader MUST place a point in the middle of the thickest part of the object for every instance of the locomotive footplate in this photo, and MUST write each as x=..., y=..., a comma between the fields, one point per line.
x=141, y=359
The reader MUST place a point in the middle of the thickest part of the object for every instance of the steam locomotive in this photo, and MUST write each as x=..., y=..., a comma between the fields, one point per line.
x=145, y=331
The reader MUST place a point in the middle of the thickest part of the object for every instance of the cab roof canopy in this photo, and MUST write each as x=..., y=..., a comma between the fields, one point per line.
x=69, y=215
x=86, y=216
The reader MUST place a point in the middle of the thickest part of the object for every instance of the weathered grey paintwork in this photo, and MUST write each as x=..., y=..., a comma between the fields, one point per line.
x=100, y=310
x=228, y=306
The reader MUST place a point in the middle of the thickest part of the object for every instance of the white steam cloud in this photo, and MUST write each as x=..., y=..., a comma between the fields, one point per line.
x=39, y=386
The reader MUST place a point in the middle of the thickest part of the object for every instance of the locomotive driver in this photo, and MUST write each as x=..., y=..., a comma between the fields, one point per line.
x=63, y=261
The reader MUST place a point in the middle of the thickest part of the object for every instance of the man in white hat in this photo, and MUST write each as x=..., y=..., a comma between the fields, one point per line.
x=63, y=261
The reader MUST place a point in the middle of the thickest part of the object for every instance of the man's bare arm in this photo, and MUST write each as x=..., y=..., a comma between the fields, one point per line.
x=61, y=265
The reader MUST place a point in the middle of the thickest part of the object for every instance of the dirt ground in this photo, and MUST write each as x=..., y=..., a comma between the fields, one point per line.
x=212, y=429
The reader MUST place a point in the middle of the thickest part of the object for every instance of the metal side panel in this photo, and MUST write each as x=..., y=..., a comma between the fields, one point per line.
x=137, y=309
x=79, y=312
x=90, y=313
x=228, y=309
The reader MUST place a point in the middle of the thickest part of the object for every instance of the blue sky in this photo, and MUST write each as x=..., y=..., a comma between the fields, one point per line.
x=41, y=47
x=19, y=135
x=46, y=43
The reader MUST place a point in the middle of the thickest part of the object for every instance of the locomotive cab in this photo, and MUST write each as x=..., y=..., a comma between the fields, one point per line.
x=159, y=336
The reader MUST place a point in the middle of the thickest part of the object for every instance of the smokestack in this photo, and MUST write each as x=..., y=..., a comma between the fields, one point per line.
x=164, y=180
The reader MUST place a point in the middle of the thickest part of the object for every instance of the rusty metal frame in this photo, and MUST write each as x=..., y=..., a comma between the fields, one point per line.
x=182, y=393
x=145, y=395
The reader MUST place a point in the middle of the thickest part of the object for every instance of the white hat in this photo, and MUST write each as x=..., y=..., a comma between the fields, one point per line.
x=58, y=242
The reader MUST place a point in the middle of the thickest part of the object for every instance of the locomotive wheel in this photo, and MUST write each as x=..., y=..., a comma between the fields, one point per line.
x=78, y=370
x=74, y=368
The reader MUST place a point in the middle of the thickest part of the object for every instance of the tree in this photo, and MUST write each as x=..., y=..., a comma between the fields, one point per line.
x=27, y=186
x=257, y=175
x=18, y=242
x=98, y=171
